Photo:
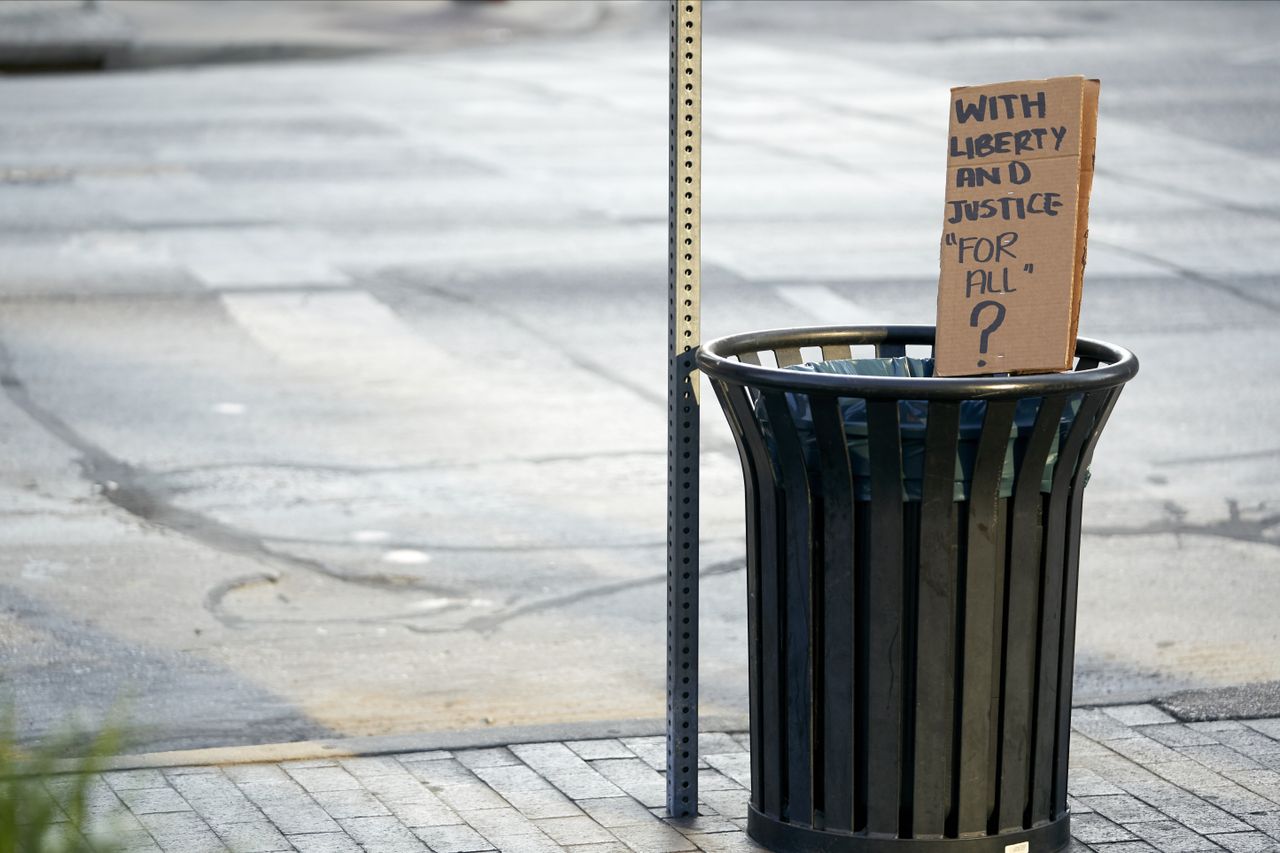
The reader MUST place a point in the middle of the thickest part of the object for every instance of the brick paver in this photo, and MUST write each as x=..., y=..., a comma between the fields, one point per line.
x=1139, y=781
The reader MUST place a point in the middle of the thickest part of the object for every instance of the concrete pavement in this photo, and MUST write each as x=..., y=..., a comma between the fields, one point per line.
x=51, y=35
x=334, y=391
x=1139, y=781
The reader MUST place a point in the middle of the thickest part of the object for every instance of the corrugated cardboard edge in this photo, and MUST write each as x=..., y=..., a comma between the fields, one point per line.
x=1088, y=151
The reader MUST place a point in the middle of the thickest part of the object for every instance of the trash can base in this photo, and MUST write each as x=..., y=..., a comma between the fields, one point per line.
x=790, y=838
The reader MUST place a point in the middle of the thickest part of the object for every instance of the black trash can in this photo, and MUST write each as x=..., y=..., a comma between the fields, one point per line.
x=912, y=553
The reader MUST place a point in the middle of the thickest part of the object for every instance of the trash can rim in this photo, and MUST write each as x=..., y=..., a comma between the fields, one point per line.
x=1116, y=366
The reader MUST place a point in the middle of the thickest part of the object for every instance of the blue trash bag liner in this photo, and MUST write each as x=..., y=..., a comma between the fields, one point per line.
x=912, y=416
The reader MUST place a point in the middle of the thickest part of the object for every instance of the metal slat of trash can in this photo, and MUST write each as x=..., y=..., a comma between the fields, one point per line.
x=1072, y=569
x=1044, y=798
x=837, y=640
x=883, y=761
x=766, y=735
x=1025, y=541
x=935, y=618
x=910, y=658
x=982, y=594
x=754, y=499
x=797, y=611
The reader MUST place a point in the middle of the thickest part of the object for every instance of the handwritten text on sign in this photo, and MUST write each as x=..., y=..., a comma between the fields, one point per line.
x=1019, y=169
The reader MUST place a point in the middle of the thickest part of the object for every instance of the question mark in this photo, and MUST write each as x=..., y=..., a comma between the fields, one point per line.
x=991, y=327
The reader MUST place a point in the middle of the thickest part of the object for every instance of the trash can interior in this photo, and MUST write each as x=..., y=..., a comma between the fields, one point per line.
x=912, y=419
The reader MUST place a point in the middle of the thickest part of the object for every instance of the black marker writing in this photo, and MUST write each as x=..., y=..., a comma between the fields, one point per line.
x=992, y=107
x=990, y=327
x=1008, y=207
x=979, y=176
x=984, y=281
x=1008, y=142
x=985, y=249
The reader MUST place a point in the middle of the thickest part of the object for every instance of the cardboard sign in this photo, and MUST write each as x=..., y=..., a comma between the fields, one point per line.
x=1019, y=171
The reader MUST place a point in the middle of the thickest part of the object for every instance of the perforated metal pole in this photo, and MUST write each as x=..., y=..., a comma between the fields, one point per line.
x=683, y=275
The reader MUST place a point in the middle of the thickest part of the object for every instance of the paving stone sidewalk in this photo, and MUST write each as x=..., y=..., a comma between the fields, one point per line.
x=1140, y=781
